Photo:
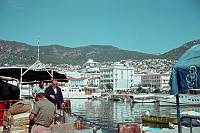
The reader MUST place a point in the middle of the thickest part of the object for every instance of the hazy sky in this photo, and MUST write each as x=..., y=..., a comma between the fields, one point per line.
x=151, y=26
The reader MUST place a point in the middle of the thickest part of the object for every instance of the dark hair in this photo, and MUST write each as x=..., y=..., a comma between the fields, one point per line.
x=53, y=80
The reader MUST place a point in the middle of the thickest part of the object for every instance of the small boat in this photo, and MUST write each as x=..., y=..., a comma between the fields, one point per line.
x=145, y=100
x=149, y=98
x=159, y=119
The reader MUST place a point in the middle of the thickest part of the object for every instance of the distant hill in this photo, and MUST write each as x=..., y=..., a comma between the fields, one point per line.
x=12, y=52
x=177, y=52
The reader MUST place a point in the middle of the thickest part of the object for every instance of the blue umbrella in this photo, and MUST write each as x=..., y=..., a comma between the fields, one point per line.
x=185, y=75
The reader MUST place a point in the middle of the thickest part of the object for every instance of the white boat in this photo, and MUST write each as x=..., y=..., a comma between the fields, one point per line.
x=75, y=93
x=148, y=98
x=68, y=92
x=190, y=99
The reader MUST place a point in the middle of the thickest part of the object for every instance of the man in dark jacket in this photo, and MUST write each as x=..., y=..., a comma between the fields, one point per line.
x=54, y=94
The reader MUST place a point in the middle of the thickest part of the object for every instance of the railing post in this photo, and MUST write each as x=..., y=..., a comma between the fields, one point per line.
x=63, y=115
x=190, y=125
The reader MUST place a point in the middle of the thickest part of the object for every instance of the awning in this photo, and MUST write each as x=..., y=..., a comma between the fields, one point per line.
x=186, y=72
x=31, y=75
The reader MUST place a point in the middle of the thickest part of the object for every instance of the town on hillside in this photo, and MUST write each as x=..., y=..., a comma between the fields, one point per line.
x=150, y=75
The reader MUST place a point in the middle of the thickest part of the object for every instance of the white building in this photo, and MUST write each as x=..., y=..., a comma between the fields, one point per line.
x=90, y=63
x=119, y=76
x=137, y=80
x=77, y=82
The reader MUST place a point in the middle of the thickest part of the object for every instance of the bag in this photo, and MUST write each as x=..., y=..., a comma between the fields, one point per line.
x=20, y=107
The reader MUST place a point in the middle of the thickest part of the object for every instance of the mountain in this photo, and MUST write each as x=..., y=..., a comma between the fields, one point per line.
x=174, y=54
x=12, y=52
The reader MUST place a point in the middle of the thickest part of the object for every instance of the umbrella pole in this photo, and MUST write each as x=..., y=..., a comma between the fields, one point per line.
x=178, y=114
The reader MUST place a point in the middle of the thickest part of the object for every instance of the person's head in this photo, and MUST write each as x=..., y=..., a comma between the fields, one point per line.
x=40, y=96
x=54, y=82
x=41, y=84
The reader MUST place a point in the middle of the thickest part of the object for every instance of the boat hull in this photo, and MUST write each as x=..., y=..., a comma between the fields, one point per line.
x=144, y=101
x=184, y=100
x=158, y=119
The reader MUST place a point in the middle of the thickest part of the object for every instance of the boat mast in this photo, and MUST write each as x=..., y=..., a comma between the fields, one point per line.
x=38, y=48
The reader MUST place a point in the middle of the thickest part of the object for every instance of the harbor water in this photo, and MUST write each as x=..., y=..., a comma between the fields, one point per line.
x=107, y=113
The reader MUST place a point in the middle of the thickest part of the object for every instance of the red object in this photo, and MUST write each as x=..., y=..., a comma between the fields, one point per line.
x=129, y=128
x=2, y=107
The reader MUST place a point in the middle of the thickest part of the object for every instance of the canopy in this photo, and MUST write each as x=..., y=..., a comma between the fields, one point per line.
x=186, y=72
x=31, y=75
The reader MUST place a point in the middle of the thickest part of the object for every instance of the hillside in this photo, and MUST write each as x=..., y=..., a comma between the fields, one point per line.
x=177, y=52
x=12, y=53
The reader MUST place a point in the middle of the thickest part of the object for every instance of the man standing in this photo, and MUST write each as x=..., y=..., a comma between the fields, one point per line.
x=54, y=94
x=38, y=89
x=42, y=114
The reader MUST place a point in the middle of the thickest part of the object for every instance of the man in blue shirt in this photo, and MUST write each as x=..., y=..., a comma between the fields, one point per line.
x=38, y=89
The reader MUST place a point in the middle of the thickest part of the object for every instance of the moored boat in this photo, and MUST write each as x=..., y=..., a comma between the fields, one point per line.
x=75, y=93
x=190, y=99
x=149, y=98
x=145, y=100
x=159, y=119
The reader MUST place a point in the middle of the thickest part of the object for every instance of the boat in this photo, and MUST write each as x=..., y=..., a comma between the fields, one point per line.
x=190, y=118
x=190, y=99
x=149, y=98
x=116, y=97
x=146, y=100
x=75, y=93
x=159, y=119
x=105, y=96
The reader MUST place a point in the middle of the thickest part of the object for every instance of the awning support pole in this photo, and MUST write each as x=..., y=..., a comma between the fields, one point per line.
x=20, y=84
x=178, y=114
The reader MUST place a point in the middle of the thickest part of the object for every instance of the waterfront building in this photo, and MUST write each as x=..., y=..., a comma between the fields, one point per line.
x=137, y=80
x=91, y=72
x=118, y=76
x=94, y=82
x=73, y=74
x=156, y=80
x=77, y=82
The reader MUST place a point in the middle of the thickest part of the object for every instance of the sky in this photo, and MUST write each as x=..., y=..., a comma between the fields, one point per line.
x=149, y=26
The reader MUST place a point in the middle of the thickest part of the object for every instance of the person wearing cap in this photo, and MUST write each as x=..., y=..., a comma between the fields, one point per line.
x=54, y=94
x=38, y=89
x=43, y=114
